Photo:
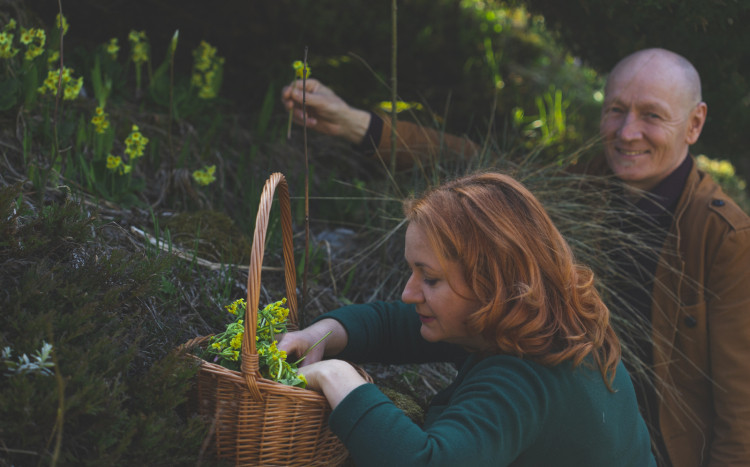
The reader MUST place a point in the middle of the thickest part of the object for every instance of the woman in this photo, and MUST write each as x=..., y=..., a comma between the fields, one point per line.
x=494, y=288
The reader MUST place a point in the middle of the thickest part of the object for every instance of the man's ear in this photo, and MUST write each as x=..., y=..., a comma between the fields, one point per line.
x=696, y=119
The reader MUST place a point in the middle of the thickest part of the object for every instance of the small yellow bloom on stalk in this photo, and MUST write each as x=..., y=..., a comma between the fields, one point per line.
x=207, y=70
x=237, y=340
x=10, y=26
x=205, y=177
x=138, y=46
x=135, y=143
x=27, y=35
x=112, y=48
x=6, y=44
x=301, y=70
x=113, y=162
x=61, y=24
x=100, y=121
x=71, y=86
x=34, y=39
x=236, y=305
x=53, y=57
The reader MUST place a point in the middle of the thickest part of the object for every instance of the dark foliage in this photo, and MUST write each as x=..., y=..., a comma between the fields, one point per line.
x=118, y=385
x=709, y=34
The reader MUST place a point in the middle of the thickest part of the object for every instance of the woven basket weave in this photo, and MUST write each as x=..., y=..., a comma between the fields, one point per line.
x=258, y=421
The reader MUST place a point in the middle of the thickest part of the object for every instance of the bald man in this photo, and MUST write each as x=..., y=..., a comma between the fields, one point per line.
x=695, y=294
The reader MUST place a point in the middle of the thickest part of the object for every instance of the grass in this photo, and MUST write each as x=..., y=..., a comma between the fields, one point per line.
x=117, y=268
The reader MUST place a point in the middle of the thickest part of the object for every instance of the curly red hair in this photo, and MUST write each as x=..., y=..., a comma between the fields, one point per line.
x=536, y=302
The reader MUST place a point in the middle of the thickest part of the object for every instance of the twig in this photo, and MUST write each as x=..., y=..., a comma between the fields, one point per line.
x=303, y=313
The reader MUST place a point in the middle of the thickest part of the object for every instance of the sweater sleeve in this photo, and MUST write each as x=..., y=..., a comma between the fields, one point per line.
x=388, y=332
x=415, y=144
x=488, y=421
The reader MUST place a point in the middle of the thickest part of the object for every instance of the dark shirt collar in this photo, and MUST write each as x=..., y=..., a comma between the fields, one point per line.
x=664, y=196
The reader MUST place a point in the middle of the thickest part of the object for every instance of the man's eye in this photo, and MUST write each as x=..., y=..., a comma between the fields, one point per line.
x=654, y=116
x=430, y=282
x=615, y=110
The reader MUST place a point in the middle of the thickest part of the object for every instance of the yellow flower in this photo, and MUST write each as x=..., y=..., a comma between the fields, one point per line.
x=138, y=46
x=64, y=24
x=11, y=25
x=27, y=35
x=100, y=121
x=112, y=48
x=205, y=177
x=135, y=143
x=400, y=106
x=71, y=86
x=207, y=70
x=300, y=69
x=113, y=162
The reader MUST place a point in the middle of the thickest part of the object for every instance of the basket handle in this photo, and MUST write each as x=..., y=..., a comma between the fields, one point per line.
x=249, y=367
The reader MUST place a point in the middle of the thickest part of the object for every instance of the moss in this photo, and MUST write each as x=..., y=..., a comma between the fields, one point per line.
x=406, y=403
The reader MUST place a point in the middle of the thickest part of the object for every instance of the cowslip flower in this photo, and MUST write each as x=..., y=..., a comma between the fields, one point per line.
x=138, y=46
x=204, y=177
x=113, y=162
x=71, y=86
x=34, y=40
x=135, y=143
x=6, y=45
x=62, y=23
x=112, y=48
x=300, y=69
x=100, y=121
x=207, y=70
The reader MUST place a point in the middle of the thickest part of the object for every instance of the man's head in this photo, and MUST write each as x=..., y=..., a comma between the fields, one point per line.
x=652, y=113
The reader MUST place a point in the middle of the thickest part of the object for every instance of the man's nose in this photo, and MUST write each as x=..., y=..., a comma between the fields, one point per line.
x=630, y=127
x=412, y=292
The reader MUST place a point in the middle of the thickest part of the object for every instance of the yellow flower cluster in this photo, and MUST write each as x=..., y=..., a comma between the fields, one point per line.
x=300, y=69
x=721, y=170
x=71, y=86
x=135, y=143
x=115, y=163
x=6, y=40
x=272, y=320
x=224, y=348
x=112, y=48
x=205, y=177
x=100, y=121
x=34, y=40
x=138, y=46
x=236, y=306
x=207, y=70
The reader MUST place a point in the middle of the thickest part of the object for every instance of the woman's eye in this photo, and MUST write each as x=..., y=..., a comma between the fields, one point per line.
x=430, y=282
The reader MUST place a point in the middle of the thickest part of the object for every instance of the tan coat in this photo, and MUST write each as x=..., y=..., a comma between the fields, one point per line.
x=701, y=341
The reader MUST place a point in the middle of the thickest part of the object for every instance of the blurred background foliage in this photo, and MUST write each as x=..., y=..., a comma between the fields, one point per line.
x=452, y=53
x=117, y=246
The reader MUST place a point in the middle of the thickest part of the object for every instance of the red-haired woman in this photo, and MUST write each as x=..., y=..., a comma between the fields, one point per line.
x=495, y=289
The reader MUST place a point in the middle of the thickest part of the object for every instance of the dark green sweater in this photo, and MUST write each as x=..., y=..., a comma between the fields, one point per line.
x=500, y=410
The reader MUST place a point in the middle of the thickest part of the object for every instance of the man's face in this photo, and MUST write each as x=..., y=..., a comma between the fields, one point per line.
x=648, y=122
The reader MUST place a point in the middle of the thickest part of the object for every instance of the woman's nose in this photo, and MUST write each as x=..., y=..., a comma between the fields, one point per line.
x=412, y=292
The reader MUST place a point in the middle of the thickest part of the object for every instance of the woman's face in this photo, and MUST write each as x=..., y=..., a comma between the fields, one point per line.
x=443, y=299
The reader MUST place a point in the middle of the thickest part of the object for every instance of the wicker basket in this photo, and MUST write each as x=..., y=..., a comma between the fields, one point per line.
x=257, y=421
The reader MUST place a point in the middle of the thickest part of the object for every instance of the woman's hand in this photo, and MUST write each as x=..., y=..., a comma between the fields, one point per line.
x=334, y=378
x=329, y=334
x=326, y=112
